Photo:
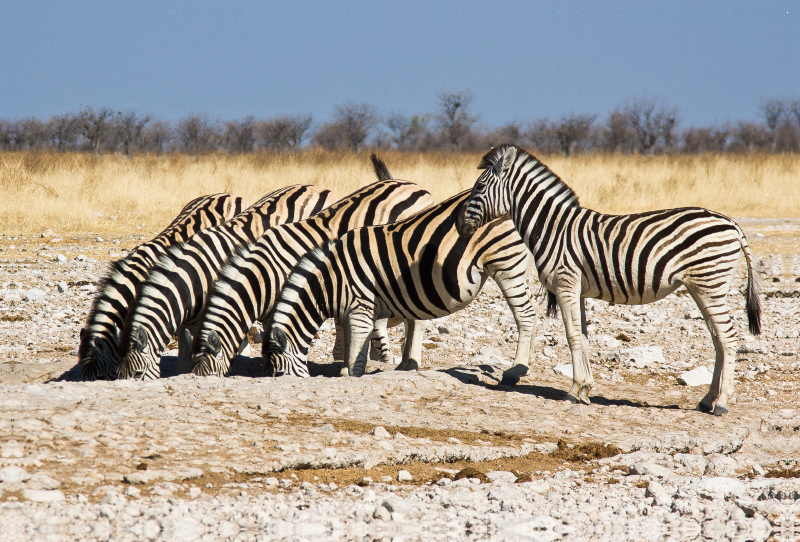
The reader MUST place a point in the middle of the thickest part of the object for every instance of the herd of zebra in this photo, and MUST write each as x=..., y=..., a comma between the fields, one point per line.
x=388, y=254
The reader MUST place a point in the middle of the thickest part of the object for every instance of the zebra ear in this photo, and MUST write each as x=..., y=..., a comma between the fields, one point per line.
x=280, y=338
x=80, y=335
x=504, y=162
x=187, y=335
x=139, y=338
x=213, y=342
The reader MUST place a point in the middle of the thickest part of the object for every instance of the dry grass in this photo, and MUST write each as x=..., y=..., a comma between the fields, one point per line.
x=73, y=193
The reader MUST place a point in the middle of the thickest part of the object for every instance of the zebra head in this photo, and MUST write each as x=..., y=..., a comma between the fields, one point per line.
x=97, y=355
x=281, y=357
x=490, y=195
x=209, y=360
x=139, y=362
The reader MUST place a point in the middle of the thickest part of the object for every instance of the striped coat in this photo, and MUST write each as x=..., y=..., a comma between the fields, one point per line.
x=627, y=259
x=417, y=269
x=250, y=282
x=97, y=353
x=176, y=289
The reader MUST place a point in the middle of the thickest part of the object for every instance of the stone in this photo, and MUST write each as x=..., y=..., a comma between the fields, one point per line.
x=43, y=495
x=545, y=448
x=380, y=432
x=719, y=488
x=48, y=233
x=753, y=347
x=639, y=356
x=605, y=342
x=660, y=495
x=501, y=476
x=443, y=330
x=699, y=376
x=722, y=465
x=402, y=508
x=651, y=469
x=60, y=258
x=564, y=369
x=13, y=474
x=61, y=286
x=35, y=295
x=404, y=476
x=692, y=313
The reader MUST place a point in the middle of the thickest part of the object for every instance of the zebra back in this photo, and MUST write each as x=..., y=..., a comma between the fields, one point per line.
x=117, y=289
x=249, y=283
x=177, y=286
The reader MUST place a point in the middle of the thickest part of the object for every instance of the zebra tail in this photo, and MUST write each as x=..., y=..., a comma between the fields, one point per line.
x=752, y=299
x=552, y=305
x=381, y=171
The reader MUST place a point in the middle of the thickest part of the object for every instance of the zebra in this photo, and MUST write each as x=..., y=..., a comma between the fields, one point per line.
x=627, y=259
x=417, y=269
x=249, y=284
x=97, y=353
x=176, y=289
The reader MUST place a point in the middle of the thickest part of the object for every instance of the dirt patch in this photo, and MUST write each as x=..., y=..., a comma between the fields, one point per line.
x=783, y=473
x=588, y=451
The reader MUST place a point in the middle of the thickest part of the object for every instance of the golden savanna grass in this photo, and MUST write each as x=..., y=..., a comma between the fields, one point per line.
x=73, y=193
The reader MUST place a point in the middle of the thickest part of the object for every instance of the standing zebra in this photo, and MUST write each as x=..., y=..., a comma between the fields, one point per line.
x=177, y=287
x=417, y=269
x=629, y=259
x=97, y=353
x=251, y=281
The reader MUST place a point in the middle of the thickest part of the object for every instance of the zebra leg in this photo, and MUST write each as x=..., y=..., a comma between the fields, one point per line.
x=515, y=290
x=185, y=348
x=357, y=331
x=380, y=348
x=412, y=346
x=338, y=345
x=713, y=306
x=571, y=306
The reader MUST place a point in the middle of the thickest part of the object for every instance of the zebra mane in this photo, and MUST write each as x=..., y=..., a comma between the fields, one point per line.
x=523, y=159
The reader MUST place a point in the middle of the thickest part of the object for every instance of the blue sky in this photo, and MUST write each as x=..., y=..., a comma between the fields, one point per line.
x=714, y=60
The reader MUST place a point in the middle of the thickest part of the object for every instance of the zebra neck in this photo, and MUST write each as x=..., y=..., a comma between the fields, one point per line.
x=542, y=209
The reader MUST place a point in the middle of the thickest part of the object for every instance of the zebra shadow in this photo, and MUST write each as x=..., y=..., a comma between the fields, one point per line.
x=488, y=376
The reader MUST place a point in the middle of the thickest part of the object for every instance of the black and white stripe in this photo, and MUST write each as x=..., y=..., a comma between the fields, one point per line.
x=173, y=295
x=417, y=269
x=249, y=284
x=97, y=353
x=628, y=259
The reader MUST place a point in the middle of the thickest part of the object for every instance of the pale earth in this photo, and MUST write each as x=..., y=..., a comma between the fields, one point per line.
x=254, y=458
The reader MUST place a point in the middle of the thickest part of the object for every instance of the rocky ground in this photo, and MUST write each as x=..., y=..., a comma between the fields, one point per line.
x=445, y=453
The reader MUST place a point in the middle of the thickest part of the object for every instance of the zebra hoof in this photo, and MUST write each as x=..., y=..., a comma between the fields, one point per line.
x=720, y=410
x=509, y=380
x=702, y=407
x=573, y=399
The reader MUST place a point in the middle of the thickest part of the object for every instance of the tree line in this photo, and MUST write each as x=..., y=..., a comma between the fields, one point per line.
x=641, y=125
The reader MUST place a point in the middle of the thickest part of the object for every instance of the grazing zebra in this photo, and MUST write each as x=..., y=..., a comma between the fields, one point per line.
x=417, y=269
x=629, y=259
x=97, y=353
x=249, y=284
x=173, y=295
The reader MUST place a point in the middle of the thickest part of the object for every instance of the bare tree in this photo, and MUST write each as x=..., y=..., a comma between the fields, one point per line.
x=240, y=135
x=618, y=135
x=455, y=119
x=706, y=139
x=650, y=119
x=508, y=133
x=571, y=130
x=156, y=136
x=63, y=131
x=196, y=134
x=95, y=125
x=410, y=133
x=284, y=132
x=129, y=127
x=750, y=136
x=352, y=124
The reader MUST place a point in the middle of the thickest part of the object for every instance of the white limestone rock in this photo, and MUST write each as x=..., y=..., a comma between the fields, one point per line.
x=699, y=376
